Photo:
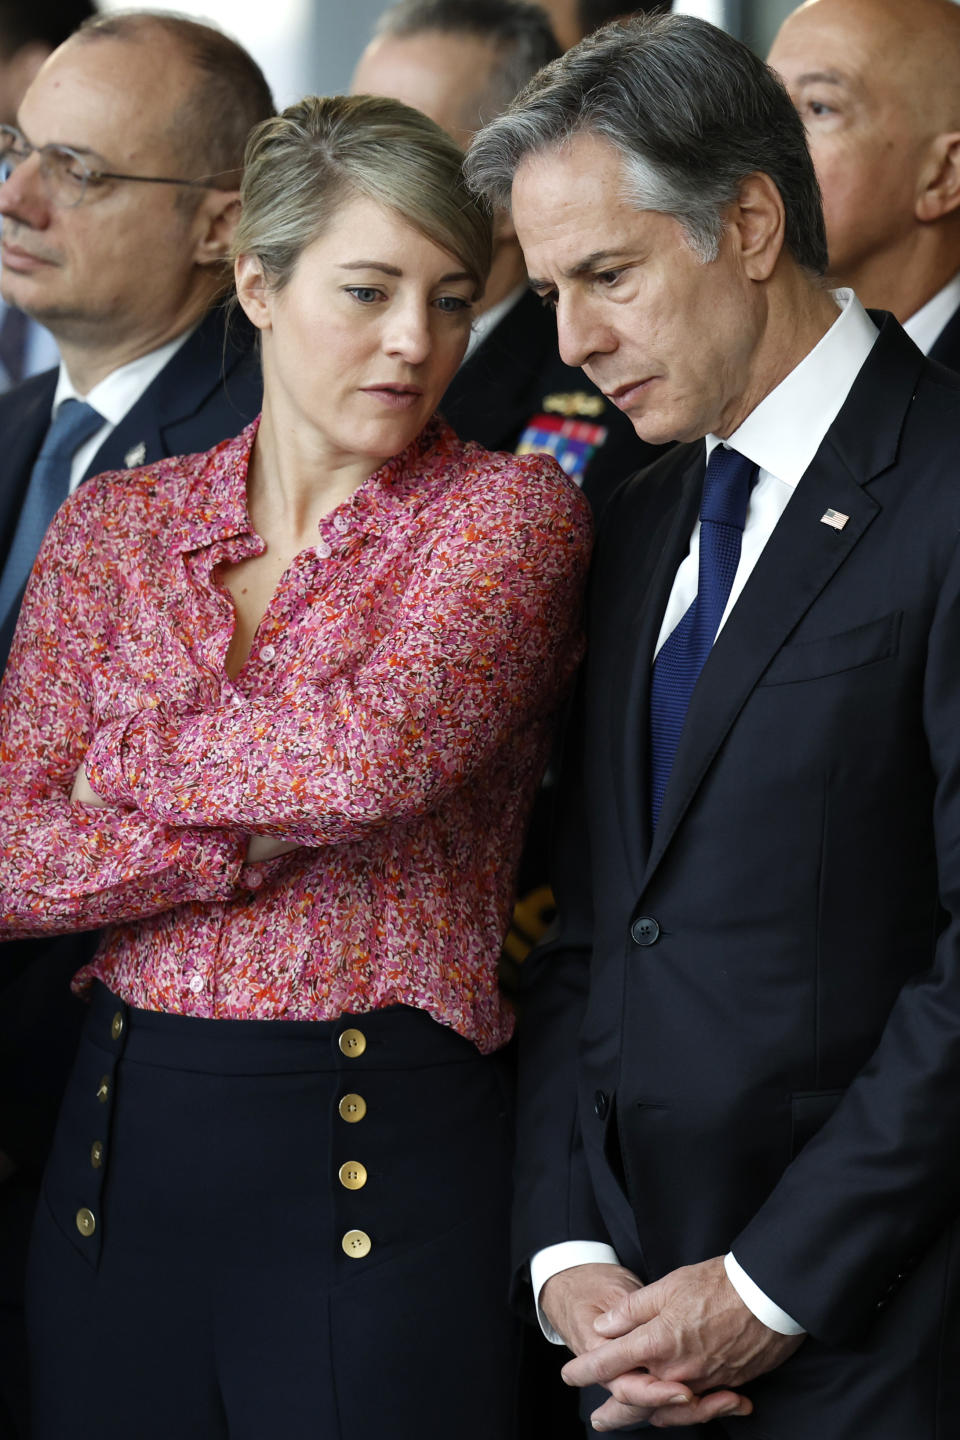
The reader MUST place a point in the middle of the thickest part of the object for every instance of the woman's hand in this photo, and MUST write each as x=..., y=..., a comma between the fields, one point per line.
x=83, y=791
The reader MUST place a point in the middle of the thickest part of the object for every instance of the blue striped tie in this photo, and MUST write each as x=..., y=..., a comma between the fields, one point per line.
x=75, y=422
x=723, y=511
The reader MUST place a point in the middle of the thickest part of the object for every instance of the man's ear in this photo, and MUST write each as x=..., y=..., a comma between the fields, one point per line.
x=938, y=183
x=758, y=221
x=215, y=221
x=253, y=291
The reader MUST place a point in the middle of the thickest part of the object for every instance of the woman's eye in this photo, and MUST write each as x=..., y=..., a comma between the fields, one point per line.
x=818, y=108
x=608, y=277
x=365, y=294
x=452, y=304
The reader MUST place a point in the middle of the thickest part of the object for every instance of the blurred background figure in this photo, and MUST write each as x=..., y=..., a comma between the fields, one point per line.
x=877, y=84
x=29, y=31
x=573, y=19
x=128, y=274
x=462, y=65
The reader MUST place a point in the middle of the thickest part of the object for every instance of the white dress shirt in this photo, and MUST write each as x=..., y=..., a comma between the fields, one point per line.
x=925, y=325
x=781, y=436
x=113, y=397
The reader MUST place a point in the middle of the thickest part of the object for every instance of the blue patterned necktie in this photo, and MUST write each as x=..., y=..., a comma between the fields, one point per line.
x=49, y=486
x=723, y=511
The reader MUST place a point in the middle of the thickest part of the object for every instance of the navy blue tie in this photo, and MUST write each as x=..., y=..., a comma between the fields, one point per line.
x=723, y=511
x=75, y=422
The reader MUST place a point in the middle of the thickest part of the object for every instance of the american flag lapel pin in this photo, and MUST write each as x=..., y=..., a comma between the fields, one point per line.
x=834, y=518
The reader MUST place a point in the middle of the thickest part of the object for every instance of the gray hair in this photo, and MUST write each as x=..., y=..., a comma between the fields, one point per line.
x=691, y=110
x=519, y=33
x=303, y=165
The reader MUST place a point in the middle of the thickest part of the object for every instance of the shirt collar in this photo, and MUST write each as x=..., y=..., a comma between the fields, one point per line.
x=924, y=325
x=114, y=396
x=216, y=506
x=782, y=434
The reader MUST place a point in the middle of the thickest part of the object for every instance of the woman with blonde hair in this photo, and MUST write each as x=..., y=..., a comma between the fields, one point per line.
x=274, y=716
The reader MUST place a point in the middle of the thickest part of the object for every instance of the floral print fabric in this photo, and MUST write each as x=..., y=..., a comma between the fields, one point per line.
x=392, y=719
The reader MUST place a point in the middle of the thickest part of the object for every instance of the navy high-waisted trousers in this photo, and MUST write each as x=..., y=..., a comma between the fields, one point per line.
x=274, y=1230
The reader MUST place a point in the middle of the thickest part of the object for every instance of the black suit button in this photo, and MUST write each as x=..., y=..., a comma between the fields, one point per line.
x=601, y=1104
x=645, y=930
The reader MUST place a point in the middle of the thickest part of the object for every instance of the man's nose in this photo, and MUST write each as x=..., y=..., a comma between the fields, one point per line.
x=23, y=195
x=580, y=330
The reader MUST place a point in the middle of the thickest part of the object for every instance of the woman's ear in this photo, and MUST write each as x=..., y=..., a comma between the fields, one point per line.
x=253, y=292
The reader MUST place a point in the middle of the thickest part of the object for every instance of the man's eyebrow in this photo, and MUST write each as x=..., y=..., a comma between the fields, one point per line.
x=821, y=77
x=596, y=260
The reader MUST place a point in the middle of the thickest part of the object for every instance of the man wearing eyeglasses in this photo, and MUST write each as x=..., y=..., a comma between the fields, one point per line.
x=118, y=204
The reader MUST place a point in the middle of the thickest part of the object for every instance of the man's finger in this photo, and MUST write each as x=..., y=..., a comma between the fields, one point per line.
x=636, y=1351
x=633, y=1310
x=715, y=1406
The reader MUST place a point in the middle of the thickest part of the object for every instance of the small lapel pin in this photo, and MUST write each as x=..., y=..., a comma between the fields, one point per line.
x=834, y=519
x=135, y=455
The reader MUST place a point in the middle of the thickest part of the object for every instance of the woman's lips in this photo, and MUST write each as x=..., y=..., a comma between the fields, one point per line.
x=395, y=397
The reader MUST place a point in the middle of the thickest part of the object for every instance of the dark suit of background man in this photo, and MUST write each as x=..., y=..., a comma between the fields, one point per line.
x=741, y=1077
x=877, y=84
x=128, y=276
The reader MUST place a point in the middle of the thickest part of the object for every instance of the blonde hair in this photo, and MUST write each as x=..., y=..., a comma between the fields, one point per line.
x=303, y=165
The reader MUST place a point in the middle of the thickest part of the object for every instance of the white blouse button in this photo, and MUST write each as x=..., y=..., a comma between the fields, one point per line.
x=340, y=523
x=267, y=653
x=323, y=550
x=196, y=983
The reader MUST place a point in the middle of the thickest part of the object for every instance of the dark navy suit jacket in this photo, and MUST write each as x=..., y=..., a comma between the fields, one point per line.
x=747, y=1035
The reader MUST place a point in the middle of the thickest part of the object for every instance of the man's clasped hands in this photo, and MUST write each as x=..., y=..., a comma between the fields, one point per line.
x=673, y=1352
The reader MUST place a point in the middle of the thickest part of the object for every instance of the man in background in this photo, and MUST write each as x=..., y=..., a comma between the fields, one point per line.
x=462, y=65
x=573, y=19
x=877, y=85
x=118, y=209
x=29, y=31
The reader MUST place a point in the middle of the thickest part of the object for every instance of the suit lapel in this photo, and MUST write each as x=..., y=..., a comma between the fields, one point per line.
x=160, y=423
x=798, y=561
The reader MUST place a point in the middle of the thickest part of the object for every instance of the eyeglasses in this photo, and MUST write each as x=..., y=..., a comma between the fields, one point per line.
x=67, y=174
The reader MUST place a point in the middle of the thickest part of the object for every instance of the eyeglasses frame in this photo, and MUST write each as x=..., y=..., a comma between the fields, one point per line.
x=28, y=149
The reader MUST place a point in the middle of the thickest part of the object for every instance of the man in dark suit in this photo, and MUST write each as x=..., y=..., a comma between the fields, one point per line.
x=128, y=274
x=877, y=84
x=738, y=1186
x=462, y=65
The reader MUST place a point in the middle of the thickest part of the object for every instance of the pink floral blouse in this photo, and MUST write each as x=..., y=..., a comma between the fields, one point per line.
x=392, y=719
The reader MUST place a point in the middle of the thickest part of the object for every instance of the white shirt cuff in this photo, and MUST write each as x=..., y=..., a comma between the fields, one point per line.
x=753, y=1297
x=555, y=1258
